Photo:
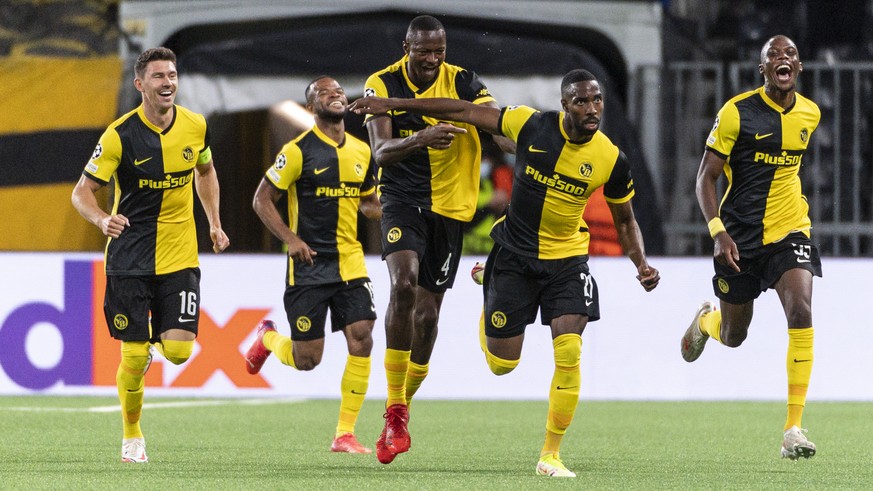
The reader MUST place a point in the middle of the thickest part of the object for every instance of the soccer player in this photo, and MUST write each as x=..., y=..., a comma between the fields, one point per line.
x=540, y=257
x=327, y=176
x=761, y=229
x=429, y=183
x=152, y=271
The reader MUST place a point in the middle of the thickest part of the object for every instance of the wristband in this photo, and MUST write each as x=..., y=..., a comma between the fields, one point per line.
x=715, y=227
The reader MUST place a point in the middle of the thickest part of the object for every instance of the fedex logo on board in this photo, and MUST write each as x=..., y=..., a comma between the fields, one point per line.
x=90, y=356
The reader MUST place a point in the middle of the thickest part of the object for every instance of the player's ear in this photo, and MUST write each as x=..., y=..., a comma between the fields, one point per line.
x=761, y=68
x=799, y=66
x=405, y=47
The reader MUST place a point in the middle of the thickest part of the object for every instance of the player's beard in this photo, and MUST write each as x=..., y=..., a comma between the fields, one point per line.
x=331, y=116
x=585, y=132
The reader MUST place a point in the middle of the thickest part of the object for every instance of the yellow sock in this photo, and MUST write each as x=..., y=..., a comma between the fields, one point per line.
x=799, y=366
x=710, y=323
x=129, y=379
x=176, y=352
x=396, y=366
x=415, y=375
x=353, y=388
x=564, y=391
x=281, y=346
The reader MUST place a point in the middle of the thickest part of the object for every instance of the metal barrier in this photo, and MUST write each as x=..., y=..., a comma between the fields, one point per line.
x=837, y=172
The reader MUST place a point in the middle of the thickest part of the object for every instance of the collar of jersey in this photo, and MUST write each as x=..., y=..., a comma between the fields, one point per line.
x=326, y=139
x=141, y=112
x=776, y=107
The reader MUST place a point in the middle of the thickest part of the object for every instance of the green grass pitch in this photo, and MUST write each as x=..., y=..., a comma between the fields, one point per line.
x=74, y=443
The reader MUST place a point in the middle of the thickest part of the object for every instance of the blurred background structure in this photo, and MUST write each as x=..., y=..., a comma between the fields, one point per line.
x=666, y=68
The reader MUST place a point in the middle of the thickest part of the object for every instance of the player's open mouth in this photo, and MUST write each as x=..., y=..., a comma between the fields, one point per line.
x=783, y=73
x=337, y=104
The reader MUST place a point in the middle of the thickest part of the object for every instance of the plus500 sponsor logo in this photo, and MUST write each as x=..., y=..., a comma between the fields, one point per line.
x=90, y=357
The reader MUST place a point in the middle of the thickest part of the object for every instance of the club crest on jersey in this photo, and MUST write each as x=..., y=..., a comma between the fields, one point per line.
x=359, y=169
x=98, y=151
x=280, y=161
x=586, y=169
x=394, y=235
x=303, y=323
x=188, y=154
x=804, y=135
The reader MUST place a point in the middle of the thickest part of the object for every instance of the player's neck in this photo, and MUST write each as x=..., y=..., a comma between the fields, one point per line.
x=158, y=117
x=783, y=98
x=335, y=130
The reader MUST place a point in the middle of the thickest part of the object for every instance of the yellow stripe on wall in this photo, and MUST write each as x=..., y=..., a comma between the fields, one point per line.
x=42, y=218
x=43, y=93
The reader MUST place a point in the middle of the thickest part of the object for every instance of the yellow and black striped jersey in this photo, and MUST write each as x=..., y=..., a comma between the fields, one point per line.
x=764, y=147
x=554, y=178
x=325, y=183
x=443, y=181
x=153, y=170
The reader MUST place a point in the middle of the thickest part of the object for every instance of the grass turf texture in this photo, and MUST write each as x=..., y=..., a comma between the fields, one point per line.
x=455, y=445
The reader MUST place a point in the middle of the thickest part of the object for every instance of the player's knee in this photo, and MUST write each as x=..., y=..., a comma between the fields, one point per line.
x=568, y=350
x=177, y=352
x=306, y=361
x=135, y=356
x=732, y=338
x=500, y=366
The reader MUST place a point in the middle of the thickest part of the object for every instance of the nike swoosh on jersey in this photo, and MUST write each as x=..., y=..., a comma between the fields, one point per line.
x=801, y=260
x=535, y=150
x=182, y=319
x=319, y=171
x=761, y=137
x=397, y=112
x=440, y=282
x=138, y=162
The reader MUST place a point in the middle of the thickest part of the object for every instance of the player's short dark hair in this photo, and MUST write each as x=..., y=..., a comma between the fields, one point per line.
x=150, y=55
x=577, y=75
x=308, y=91
x=424, y=23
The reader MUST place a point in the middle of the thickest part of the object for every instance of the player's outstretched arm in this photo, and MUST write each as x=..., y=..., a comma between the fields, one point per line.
x=631, y=240
x=482, y=116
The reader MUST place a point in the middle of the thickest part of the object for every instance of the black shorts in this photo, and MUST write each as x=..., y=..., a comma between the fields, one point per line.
x=516, y=286
x=436, y=239
x=761, y=269
x=306, y=307
x=141, y=308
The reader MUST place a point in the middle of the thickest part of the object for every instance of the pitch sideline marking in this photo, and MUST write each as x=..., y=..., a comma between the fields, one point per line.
x=158, y=405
